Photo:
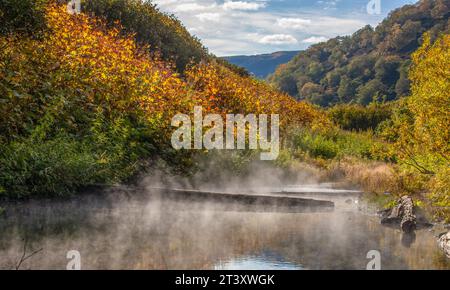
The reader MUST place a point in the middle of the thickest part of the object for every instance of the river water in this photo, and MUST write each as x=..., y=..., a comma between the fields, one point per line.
x=122, y=230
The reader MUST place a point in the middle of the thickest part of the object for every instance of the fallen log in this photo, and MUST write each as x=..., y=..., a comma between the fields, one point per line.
x=402, y=214
x=324, y=192
x=444, y=243
x=239, y=200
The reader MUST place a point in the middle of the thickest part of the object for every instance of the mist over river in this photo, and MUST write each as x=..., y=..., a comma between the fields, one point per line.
x=122, y=229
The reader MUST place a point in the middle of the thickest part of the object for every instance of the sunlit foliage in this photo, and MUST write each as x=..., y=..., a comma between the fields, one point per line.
x=163, y=32
x=420, y=127
x=224, y=91
x=104, y=104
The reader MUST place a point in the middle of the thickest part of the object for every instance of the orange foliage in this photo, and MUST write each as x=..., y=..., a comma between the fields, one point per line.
x=223, y=91
x=95, y=69
x=84, y=47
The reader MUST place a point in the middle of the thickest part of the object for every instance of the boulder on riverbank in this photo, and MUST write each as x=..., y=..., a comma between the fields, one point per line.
x=444, y=243
x=402, y=214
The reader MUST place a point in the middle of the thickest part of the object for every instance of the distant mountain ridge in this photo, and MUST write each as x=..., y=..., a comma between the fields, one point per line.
x=262, y=65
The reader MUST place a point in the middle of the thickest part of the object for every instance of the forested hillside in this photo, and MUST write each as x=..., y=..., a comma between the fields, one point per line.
x=370, y=64
x=83, y=101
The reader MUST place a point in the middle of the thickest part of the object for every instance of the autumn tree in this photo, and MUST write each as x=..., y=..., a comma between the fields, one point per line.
x=419, y=128
x=429, y=132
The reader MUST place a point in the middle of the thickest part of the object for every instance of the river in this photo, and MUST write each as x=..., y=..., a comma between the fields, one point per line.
x=121, y=230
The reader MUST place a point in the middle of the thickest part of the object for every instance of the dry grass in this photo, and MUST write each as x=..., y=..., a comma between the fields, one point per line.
x=430, y=193
x=370, y=176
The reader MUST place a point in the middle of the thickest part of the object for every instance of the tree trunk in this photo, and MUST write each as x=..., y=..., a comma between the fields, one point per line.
x=402, y=214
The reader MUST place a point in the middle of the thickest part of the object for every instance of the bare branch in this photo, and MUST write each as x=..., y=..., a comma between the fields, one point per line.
x=24, y=254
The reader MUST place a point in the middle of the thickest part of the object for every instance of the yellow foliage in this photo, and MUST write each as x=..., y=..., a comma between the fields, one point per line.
x=81, y=65
x=223, y=91
x=423, y=126
x=430, y=100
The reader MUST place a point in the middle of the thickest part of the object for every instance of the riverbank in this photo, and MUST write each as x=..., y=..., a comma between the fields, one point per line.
x=383, y=182
x=386, y=183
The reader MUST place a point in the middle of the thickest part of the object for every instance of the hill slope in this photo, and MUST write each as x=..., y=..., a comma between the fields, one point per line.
x=372, y=63
x=262, y=65
x=82, y=103
x=164, y=33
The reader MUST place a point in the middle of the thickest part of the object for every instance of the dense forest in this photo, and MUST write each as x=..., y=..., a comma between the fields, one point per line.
x=87, y=99
x=372, y=64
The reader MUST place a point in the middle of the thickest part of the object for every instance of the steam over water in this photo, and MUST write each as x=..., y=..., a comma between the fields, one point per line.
x=126, y=230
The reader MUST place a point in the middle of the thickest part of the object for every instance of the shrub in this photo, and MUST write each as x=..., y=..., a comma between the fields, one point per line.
x=54, y=167
x=360, y=118
x=334, y=143
x=315, y=145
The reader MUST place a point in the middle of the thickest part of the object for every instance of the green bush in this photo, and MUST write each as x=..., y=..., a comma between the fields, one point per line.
x=54, y=167
x=57, y=165
x=316, y=145
x=332, y=144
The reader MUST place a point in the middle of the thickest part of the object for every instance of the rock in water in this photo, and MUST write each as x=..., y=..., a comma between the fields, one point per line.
x=402, y=214
x=444, y=243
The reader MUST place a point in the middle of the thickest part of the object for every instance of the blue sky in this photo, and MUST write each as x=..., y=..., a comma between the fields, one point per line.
x=234, y=27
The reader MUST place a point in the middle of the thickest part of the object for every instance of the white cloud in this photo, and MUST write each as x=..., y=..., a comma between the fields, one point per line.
x=187, y=7
x=236, y=30
x=328, y=4
x=314, y=39
x=296, y=23
x=214, y=17
x=278, y=39
x=333, y=26
x=242, y=5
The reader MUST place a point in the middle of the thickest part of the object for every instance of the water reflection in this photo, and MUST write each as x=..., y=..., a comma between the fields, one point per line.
x=123, y=231
x=408, y=239
x=263, y=262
